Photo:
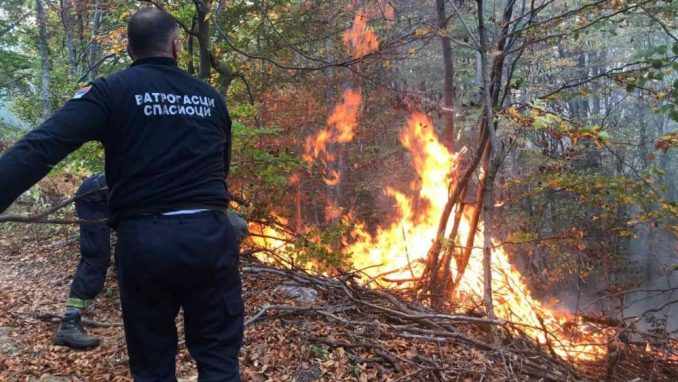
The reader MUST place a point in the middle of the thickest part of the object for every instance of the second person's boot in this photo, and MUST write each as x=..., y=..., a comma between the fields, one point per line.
x=71, y=333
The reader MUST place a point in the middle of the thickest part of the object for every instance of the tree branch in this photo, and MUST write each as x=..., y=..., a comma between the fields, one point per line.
x=40, y=216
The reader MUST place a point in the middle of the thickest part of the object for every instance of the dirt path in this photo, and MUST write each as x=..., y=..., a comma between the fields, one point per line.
x=35, y=278
x=34, y=282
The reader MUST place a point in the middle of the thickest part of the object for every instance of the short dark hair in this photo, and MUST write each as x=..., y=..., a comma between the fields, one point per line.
x=150, y=32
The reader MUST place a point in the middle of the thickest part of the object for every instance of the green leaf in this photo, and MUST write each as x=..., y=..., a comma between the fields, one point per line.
x=674, y=115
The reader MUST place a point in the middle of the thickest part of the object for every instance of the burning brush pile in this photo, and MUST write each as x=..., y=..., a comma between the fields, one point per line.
x=394, y=256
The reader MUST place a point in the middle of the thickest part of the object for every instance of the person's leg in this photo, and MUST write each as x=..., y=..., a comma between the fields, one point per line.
x=167, y=261
x=95, y=251
x=213, y=308
x=88, y=280
x=149, y=305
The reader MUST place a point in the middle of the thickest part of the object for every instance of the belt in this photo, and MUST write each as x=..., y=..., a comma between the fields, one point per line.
x=184, y=212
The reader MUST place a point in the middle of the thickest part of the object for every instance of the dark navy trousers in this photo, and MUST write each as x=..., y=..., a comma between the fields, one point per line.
x=95, y=242
x=165, y=263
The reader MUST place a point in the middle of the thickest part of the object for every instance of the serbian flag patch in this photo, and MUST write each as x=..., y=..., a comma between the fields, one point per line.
x=82, y=92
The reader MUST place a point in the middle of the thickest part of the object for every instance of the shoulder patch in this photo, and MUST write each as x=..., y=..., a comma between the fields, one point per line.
x=82, y=92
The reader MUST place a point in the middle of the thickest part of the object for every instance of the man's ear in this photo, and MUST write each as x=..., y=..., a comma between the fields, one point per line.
x=176, y=48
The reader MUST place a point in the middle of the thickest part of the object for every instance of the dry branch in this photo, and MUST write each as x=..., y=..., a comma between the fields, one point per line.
x=54, y=317
x=41, y=217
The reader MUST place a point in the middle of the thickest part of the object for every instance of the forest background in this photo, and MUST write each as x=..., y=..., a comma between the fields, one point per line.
x=563, y=115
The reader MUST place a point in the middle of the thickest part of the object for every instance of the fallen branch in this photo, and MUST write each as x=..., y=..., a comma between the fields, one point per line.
x=54, y=317
x=41, y=217
x=288, y=308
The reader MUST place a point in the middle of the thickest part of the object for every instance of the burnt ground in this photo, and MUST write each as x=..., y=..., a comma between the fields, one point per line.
x=337, y=340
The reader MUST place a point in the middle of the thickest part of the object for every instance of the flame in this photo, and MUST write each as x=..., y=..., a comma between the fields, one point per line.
x=403, y=245
x=360, y=40
x=332, y=210
x=345, y=116
x=387, y=9
x=341, y=123
x=410, y=233
x=399, y=249
x=332, y=179
x=269, y=239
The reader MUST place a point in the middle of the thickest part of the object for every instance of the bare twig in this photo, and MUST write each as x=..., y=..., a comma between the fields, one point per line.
x=54, y=317
x=40, y=217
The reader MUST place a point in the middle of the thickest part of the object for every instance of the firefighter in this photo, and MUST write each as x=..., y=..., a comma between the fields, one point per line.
x=167, y=140
x=95, y=257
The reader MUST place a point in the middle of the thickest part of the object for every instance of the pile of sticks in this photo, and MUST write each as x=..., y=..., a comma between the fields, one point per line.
x=351, y=305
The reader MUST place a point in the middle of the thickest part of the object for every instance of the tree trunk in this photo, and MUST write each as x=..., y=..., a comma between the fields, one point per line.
x=203, y=9
x=44, y=57
x=95, y=50
x=463, y=259
x=299, y=221
x=493, y=160
x=642, y=147
x=68, y=21
x=448, y=70
x=191, y=67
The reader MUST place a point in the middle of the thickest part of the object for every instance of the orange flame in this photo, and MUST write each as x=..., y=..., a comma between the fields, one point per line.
x=400, y=248
x=387, y=9
x=332, y=179
x=342, y=122
x=359, y=39
x=269, y=239
x=332, y=210
x=403, y=245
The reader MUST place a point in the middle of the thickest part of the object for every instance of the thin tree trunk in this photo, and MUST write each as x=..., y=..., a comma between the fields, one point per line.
x=489, y=98
x=44, y=57
x=191, y=67
x=447, y=287
x=453, y=251
x=448, y=70
x=202, y=9
x=68, y=21
x=95, y=50
x=299, y=223
x=462, y=261
x=492, y=165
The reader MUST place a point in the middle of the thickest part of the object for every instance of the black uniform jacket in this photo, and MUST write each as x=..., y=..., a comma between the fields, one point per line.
x=167, y=139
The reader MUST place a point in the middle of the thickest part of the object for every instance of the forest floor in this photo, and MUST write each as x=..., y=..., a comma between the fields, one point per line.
x=327, y=338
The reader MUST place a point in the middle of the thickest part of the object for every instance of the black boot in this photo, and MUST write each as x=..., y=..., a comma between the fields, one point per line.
x=72, y=334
